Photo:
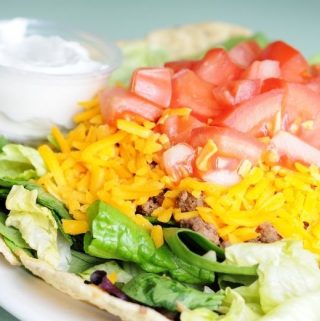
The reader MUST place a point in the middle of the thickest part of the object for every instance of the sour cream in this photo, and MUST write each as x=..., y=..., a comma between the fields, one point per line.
x=44, y=73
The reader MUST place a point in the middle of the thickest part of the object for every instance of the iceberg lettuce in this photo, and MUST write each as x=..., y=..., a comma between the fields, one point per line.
x=287, y=288
x=21, y=162
x=37, y=227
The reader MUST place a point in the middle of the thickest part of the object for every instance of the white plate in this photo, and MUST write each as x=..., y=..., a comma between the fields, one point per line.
x=30, y=299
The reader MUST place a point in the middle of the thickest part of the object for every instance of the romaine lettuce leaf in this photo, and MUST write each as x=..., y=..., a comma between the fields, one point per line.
x=37, y=227
x=234, y=306
x=115, y=236
x=20, y=162
x=163, y=292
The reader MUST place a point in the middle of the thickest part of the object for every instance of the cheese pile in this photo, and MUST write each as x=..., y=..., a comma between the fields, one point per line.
x=120, y=166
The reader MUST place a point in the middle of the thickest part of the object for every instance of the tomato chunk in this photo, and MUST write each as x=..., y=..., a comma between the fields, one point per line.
x=286, y=144
x=263, y=70
x=293, y=65
x=257, y=115
x=300, y=104
x=177, y=161
x=188, y=90
x=245, y=53
x=180, y=64
x=120, y=103
x=272, y=83
x=153, y=84
x=236, y=92
x=216, y=67
x=220, y=162
x=179, y=128
x=230, y=142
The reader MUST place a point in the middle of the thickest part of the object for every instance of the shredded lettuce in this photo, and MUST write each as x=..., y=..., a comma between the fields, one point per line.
x=20, y=162
x=37, y=227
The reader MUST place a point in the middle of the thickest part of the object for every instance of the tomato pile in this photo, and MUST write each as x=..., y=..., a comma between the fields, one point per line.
x=246, y=105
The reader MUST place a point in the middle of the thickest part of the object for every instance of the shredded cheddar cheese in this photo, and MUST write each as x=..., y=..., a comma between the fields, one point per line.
x=157, y=236
x=120, y=166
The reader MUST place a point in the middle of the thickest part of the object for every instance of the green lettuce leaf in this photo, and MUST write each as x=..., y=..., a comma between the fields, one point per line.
x=115, y=236
x=163, y=292
x=81, y=262
x=302, y=308
x=285, y=270
x=234, y=304
x=200, y=314
x=237, y=308
x=20, y=162
x=3, y=142
x=11, y=233
x=37, y=227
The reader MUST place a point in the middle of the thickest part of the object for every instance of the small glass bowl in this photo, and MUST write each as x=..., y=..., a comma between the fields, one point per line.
x=32, y=101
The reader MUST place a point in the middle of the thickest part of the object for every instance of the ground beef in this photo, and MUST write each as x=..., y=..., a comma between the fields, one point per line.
x=152, y=204
x=187, y=202
x=197, y=224
x=268, y=233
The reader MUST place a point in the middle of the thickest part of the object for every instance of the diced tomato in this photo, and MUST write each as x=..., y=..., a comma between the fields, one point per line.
x=272, y=83
x=120, y=103
x=245, y=53
x=300, y=104
x=310, y=132
x=256, y=115
x=221, y=177
x=179, y=128
x=220, y=162
x=180, y=64
x=288, y=145
x=262, y=70
x=177, y=161
x=236, y=92
x=153, y=84
x=230, y=142
x=314, y=85
x=293, y=65
x=216, y=67
x=189, y=90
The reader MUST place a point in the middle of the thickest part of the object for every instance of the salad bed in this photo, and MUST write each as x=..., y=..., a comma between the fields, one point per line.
x=165, y=192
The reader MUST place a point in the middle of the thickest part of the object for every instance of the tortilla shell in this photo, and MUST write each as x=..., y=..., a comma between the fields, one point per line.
x=74, y=286
x=189, y=40
x=8, y=255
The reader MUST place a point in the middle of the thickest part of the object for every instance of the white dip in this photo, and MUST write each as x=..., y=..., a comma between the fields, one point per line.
x=41, y=80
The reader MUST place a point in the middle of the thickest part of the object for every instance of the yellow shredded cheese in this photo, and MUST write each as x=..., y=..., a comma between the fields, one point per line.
x=157, y=236
x=120, y=166
x=74, y=227
x=113, y=277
